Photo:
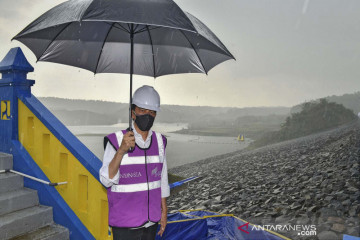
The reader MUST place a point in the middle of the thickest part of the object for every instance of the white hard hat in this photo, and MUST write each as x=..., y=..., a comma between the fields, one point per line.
x=147, y=97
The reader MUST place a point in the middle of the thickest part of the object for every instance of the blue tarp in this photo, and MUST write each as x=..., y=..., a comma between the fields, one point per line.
x=348, y=237
x=184, y=230
x=201, y=225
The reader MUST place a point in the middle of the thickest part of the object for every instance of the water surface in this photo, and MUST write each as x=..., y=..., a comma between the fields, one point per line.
x=181, y=148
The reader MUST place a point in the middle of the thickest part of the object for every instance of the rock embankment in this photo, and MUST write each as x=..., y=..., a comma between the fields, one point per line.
x=313, y=180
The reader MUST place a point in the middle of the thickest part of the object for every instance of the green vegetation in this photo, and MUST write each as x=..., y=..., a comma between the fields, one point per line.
x=174, y=178
x=314, y=117
x=350, y=101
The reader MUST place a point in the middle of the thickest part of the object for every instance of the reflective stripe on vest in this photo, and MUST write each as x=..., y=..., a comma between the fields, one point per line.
x=136, y=187
x=140, y=160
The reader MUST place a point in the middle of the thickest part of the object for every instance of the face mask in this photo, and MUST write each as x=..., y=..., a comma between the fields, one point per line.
x=144, y=122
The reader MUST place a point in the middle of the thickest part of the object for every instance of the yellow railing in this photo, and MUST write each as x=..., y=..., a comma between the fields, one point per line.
x=83, y=193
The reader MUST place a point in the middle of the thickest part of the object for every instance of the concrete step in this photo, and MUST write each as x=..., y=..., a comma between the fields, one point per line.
x=52, y=232
x=10, y=182
x=17, y=200
x=26, y=220
x=6, y=161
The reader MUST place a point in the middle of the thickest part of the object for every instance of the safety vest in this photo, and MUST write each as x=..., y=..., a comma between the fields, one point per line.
x=137, y=197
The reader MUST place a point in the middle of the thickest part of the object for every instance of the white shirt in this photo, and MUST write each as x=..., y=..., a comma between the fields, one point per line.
x=109, y=155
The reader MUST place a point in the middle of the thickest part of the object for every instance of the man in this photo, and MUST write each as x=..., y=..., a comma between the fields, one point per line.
x=135, y=173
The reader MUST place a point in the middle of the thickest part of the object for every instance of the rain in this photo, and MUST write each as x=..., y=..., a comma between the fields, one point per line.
x=273, y=136
x=305, y=7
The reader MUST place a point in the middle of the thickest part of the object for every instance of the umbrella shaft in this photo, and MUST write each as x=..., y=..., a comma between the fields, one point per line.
x=131, y=69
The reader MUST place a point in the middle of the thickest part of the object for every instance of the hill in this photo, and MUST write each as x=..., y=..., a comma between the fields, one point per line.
x=95, y=112
x=350, y=101
x=314, y=117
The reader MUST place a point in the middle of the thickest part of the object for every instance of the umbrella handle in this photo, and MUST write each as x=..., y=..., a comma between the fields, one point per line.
x=131, y=149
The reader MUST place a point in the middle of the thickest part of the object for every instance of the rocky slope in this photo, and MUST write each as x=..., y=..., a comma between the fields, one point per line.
x=313, y=180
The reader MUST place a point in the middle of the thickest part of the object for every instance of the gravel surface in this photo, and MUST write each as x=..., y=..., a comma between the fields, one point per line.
x=313, y=180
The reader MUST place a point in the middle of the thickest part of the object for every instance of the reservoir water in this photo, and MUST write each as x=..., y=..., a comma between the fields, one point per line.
x=181, y=148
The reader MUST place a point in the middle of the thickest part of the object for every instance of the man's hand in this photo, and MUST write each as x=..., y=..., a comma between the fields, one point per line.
x=127, y=142
x=163, y=222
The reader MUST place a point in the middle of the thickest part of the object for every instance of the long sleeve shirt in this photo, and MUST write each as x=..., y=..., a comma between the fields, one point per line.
x=109, y=155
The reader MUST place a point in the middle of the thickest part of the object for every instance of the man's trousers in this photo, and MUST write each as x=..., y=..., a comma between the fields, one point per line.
x=143, y=233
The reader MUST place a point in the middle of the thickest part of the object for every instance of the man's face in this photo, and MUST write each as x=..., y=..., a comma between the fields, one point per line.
x=142, y=111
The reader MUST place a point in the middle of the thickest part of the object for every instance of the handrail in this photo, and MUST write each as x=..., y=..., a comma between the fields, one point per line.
x=179, y=183
x=33, y=178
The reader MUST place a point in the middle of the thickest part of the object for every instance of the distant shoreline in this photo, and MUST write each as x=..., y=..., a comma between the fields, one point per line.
x=207, y=132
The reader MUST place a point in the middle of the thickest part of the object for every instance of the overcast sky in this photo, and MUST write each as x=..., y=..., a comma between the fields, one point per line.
x=287, y=51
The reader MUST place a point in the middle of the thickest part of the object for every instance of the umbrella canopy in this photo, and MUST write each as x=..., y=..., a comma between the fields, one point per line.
x=144, y=37
x=95, y=35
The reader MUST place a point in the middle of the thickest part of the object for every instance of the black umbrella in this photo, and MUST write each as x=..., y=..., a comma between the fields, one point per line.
x=144, y=37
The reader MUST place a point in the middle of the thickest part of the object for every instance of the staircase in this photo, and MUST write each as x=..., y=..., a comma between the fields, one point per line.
x=21, y=216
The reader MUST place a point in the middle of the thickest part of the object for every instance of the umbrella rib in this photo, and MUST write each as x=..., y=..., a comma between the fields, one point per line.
x=144, y=29
x=102, y=47
x=194, y=51
x=141, y=30
x=120, y=27
x=152, y=48
x=136, y=27
x=53, y=40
